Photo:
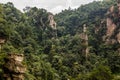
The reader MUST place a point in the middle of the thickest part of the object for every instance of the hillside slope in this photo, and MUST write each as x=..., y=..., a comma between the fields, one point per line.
x=79, y=44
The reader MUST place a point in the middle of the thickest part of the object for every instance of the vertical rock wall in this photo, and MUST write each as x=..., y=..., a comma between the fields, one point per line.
x=52, y=22
x=84, y=37
x=113, y=24
x=13, y=67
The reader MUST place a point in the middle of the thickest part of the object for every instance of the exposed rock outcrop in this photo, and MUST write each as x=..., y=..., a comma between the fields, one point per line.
x=84, y=37
x=2, y=41
x=52, y=22
x=110, y=31
x=13, y=67
x=113, y=23
x=118, y=37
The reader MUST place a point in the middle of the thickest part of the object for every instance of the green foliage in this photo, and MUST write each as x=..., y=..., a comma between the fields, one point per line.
x=2, y=56
x=40, y=69
x=101, y=73
x=114, y=62
x=61, y=58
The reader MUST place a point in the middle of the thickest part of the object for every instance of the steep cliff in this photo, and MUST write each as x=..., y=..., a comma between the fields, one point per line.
x=13, y=67
x=77, y=51
x=51, y=20
x=84, y=37
x=113, y=24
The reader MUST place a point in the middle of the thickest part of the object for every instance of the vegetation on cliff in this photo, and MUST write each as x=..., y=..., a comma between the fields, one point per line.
x=57, y=53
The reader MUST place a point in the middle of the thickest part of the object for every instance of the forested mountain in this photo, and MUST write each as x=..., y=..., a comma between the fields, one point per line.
x=75, y=44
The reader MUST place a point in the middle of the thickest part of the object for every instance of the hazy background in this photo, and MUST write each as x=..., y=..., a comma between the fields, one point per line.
x=53, y=6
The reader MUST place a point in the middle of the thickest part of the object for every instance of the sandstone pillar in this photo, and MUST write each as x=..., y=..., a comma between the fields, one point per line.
x=14, y=68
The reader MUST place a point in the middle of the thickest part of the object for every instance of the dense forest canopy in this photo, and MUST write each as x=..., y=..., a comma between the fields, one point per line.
x=79, y=47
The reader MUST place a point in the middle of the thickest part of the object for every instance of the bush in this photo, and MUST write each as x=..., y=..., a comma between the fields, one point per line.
x=101, y=73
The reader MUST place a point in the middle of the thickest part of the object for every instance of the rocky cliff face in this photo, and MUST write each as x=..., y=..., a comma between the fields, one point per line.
x=52, y=22
x=13, y=67
x=84, y=37
x=113, y=24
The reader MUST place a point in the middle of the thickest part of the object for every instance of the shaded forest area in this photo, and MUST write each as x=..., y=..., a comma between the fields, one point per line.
x=75, y=44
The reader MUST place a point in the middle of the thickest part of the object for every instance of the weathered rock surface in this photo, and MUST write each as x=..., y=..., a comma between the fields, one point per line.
x=113, y=23
x=13, y=67
x=2, y=41
x=52, y=22
x=84, y=37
